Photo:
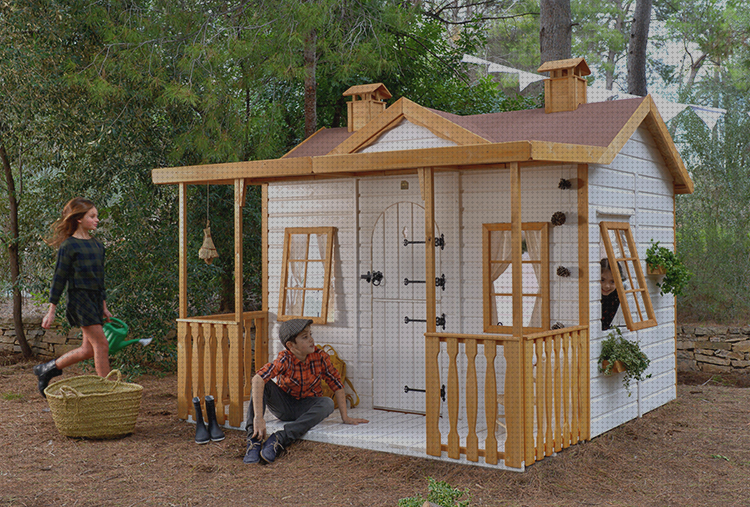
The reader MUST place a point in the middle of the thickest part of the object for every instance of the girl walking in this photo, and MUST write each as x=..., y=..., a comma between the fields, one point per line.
x=80, y=265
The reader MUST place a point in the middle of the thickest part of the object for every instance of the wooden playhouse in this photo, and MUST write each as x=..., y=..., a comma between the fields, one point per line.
x=453, y=263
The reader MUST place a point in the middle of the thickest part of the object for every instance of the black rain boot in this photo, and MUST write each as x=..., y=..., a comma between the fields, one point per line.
x=45, y=372
x=214, y=430
x=201, y=433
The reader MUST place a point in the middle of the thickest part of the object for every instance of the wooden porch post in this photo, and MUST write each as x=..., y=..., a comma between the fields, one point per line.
x=183, y=348
x=432, y=347
x=514, y=383
x=236, y=355
x=261, y=335
x=584, y=394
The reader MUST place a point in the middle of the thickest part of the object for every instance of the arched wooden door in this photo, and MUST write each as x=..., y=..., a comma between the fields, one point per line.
x=398, y=308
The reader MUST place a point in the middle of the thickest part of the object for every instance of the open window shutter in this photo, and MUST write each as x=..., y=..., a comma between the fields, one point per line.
x=635, y=300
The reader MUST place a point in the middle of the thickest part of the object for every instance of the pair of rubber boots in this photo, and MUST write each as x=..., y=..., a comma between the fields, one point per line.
x=213, y=432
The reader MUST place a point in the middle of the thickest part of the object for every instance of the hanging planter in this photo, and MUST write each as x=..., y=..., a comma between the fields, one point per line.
x=662, y=261
x=620, y=355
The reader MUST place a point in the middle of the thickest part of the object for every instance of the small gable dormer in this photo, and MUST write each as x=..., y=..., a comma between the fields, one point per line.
x=367, y=101
x=565, y=89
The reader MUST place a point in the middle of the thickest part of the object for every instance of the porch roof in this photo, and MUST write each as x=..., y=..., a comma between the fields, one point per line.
x=594, y=133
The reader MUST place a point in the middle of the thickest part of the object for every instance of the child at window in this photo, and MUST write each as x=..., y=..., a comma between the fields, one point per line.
x=610, y=299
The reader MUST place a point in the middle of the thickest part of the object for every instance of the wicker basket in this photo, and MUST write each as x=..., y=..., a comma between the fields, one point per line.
x=90, y=406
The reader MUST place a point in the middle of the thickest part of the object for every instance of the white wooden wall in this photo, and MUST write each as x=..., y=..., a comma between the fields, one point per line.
x=464, y=201
x=636, y=187
x=330, y=203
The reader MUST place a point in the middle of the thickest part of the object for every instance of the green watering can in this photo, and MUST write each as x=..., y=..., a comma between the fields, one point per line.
x=116, y=330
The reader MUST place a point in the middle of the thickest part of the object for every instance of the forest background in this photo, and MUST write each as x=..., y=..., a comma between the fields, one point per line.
x=97, y=93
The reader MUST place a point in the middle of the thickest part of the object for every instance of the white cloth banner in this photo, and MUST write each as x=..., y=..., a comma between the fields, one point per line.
x=667, y=109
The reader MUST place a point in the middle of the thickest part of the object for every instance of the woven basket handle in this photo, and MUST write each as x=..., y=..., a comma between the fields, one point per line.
x=116, y=382
x=67, y=391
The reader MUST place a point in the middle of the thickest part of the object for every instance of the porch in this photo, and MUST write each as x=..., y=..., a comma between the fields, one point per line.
x=504, y=418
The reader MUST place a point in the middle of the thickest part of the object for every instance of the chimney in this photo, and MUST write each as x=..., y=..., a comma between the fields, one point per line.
x=566, y=87
x=367, y=101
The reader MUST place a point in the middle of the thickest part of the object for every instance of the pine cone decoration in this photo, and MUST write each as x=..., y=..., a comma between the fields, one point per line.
x=558, y=218
x=564, y=184
x=563, y=271
x=558, y=325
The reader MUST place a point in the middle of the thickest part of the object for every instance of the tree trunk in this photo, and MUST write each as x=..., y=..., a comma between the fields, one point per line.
x=637, y=48
x=556, y=31
x=311, y=85
x=13, y=255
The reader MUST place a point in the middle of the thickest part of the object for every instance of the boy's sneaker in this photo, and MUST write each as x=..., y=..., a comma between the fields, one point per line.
x=252, y=454
x=271, y=448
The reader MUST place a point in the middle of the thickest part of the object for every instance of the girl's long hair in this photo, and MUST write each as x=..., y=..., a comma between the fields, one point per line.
x=67, y=224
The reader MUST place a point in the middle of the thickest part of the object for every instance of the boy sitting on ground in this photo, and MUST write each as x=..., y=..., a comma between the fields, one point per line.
x=296, y=396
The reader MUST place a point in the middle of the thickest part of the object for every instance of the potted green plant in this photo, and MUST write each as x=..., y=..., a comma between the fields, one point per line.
x=662, y=261
x=622, y=355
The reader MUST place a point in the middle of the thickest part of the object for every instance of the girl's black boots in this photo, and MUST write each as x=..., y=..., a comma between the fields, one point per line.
x=46, y=372
x=214, y=431
x=201, y=433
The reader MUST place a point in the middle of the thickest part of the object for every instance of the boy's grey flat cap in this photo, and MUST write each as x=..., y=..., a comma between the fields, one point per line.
x=291, y=328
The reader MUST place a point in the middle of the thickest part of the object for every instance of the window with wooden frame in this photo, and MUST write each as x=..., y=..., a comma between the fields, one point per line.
x=498, y=277
x=306, y=273
x=632, y=291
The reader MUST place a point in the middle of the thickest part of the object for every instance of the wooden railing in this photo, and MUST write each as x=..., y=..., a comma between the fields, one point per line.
x=217, y=355
x=552, y=390
x=471, y=448
x=557, y=396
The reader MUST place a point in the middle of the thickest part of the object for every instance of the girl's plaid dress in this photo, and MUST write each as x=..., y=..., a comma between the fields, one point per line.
x=80, y=265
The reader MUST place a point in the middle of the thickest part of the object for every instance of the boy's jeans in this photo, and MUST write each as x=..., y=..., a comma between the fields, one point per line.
x=302, y=414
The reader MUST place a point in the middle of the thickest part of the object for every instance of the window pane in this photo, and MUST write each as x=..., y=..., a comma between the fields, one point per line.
x=504, y=305
x=317, y=250
x=615, y=245
x=315, y=275
x=625, y=247
x=296, y=276
x=293, y=302
x=533, y=245
x=297, y=246
x=530, y=317
x=313, y=303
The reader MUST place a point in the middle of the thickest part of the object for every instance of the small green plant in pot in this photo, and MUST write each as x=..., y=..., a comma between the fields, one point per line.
x=676, y=275
x=616, y=348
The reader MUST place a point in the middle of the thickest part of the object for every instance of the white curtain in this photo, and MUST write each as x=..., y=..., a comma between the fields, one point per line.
x=500, y=250
x=297, y=251
x=534, y=246
x=322, y=250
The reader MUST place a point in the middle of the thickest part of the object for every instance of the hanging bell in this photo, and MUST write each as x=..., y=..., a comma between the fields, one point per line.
x=207, y=251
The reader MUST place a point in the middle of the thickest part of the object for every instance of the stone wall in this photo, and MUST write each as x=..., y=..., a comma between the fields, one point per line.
x=714, y=349
x=45, y=343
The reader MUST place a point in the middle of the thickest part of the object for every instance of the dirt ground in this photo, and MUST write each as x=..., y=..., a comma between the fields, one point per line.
x=694, y=451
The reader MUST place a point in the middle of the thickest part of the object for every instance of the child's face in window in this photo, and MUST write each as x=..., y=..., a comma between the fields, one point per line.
x=608, y=282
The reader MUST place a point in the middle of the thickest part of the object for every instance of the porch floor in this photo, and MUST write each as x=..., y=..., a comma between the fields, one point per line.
x=393, y=432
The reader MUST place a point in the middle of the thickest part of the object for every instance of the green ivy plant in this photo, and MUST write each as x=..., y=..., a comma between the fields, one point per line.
x=616, y=347
x=677, y=275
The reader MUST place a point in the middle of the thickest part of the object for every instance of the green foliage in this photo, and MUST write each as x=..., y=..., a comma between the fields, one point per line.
x=713, y=222
x=677, y=275
x=11, y=396
x=440, y=493
x=615, y=347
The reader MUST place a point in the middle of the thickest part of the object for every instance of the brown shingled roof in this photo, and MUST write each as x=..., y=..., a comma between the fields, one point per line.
x=594, y=124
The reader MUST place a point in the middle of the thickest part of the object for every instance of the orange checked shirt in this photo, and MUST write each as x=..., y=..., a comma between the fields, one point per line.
x=302, y=380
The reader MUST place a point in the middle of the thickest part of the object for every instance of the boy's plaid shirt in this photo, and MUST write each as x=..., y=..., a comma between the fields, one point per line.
x=80, y=264
x=302, y=380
